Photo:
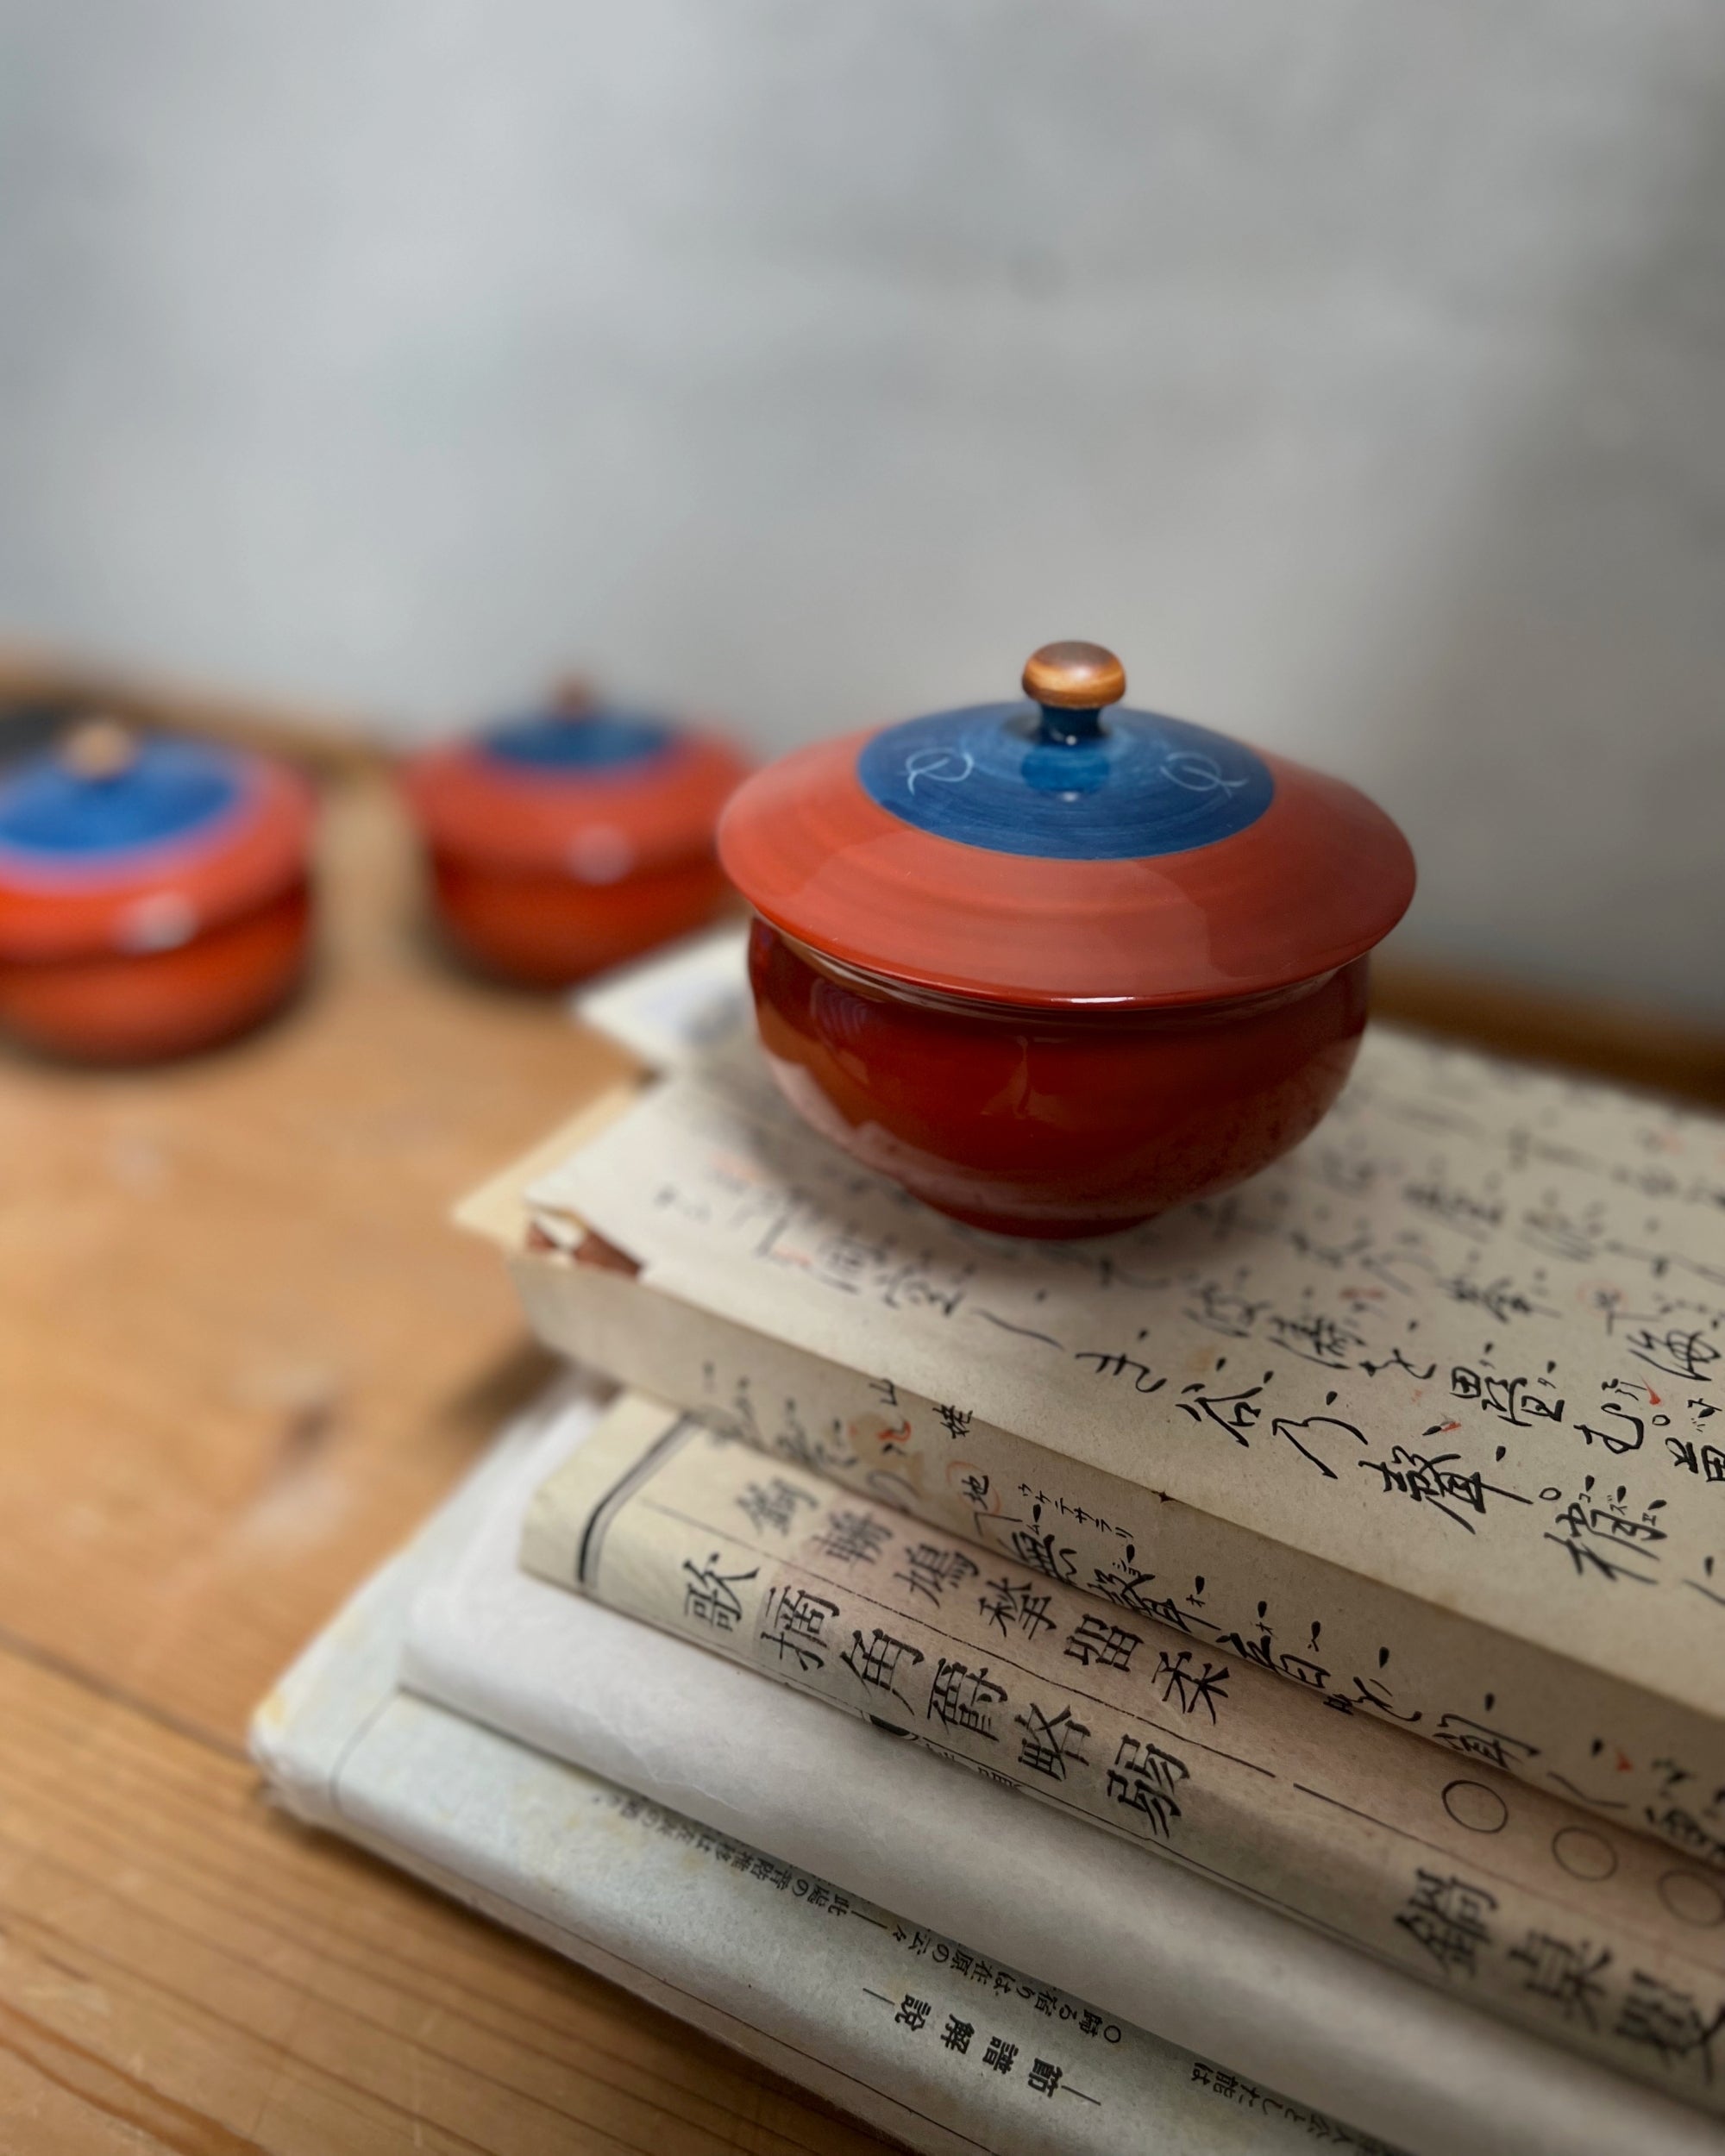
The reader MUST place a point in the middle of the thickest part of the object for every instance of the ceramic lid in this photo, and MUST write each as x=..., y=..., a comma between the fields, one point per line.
x=114, y=840
x=577, y=788
x=1067, y=850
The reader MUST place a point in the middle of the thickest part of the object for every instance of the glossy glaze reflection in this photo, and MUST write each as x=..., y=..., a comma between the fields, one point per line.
x=1043, y=1123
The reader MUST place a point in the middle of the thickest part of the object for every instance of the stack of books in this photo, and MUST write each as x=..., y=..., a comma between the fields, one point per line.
x=1258, y=1679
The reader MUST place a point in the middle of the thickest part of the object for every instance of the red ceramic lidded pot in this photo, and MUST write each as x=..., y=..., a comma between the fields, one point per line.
x=155, y=894
x=1055, y=966
x=574, y=837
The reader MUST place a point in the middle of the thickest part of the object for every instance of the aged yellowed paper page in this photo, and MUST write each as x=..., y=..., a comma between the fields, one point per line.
x=1448, y=1869
x=1428, y=1413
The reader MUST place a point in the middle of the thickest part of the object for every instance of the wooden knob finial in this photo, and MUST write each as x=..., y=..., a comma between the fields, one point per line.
x=99, y=749
x=1074, y=677
x=573, y=696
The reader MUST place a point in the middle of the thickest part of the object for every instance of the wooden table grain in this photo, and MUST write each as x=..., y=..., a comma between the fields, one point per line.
x=242, y=1354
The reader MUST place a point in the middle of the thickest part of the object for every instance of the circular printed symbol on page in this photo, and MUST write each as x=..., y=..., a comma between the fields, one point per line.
x=1584, y=1854
x=1472, y=1805
x=1693, y=1900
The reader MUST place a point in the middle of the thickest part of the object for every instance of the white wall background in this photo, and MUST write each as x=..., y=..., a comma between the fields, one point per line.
x=1354, y=368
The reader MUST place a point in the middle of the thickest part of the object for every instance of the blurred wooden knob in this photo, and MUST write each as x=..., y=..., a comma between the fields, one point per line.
x=99, y=749
x=573, y=696
x=1075, y=677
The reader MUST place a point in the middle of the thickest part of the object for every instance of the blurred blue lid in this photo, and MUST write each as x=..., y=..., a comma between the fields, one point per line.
x=140, y=792
x=564, y=743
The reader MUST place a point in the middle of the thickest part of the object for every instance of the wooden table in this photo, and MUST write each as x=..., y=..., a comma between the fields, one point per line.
x=241, y=1354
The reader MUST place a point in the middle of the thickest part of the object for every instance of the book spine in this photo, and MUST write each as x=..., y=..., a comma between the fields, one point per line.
x=1485, y=1700
x=1465, y=1880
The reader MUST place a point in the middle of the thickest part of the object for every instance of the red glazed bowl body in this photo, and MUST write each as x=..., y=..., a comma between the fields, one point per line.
x=1051, y=1122
x=548, y=932
x=145, y=1007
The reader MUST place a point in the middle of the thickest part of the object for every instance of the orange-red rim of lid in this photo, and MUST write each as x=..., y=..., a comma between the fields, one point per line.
x=1317, y=880
x=142, y=898
x=483, y=810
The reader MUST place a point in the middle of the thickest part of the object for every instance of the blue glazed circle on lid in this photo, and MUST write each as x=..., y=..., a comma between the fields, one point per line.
x=52, y=812
x=1068, y=784
x=577, y=744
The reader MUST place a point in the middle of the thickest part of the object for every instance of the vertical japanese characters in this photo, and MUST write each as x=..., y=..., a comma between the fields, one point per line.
x=1431, y=1858
x=1432, y=1406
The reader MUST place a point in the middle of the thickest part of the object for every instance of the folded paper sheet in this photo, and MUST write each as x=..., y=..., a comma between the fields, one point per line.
x=951, y=2053
x=1442, y=1389
x=1510, y=1898
x=684, y=1001
x=1151, y=1943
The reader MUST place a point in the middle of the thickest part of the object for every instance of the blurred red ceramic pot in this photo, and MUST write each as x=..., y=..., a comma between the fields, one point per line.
x=571, y=839
x=153, y=894
x=1056, y=971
